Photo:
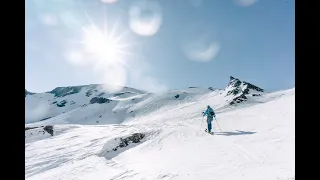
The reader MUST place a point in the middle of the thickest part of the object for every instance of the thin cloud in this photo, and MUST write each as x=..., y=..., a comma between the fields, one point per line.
x=145, y=17
x=204, y=54
x=199, y=42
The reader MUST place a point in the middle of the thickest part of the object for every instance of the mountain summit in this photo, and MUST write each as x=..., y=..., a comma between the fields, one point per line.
x=240, y=90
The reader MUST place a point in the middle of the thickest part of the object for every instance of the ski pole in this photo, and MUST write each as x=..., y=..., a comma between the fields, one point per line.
x=217, y=123
x=201, y=123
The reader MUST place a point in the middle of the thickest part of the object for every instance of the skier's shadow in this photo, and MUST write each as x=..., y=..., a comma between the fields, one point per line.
x=234, y=133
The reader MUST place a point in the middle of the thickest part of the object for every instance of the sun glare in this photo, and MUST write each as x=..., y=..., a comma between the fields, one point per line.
x=107, y=52
x=105, y=47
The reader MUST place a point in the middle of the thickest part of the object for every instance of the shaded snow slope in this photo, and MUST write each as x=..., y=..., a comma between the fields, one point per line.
x=256, y=140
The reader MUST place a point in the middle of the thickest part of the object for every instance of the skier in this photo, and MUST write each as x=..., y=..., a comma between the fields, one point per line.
x=210, y=114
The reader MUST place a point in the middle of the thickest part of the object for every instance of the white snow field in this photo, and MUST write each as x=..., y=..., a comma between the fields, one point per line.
x=256, y=140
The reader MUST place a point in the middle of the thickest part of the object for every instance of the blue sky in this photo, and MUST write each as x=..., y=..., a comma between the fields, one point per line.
x=165, y=44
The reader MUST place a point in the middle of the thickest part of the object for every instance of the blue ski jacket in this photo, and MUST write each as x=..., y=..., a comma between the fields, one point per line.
x=207, y=112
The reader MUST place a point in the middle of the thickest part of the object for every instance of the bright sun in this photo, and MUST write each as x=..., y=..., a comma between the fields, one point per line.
x=107, y=52
x=107, y=48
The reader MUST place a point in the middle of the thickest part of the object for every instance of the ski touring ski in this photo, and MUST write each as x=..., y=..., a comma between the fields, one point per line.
x=208, y=132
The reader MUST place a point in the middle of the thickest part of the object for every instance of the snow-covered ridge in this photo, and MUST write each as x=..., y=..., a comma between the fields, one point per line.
x=43, y=106
x=94, y=105
x=241, y=90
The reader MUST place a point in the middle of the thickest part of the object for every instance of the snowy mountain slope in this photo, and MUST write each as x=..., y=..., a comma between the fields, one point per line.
x=92, y=105
x=256, y=141
x=119, y=110
x=240, y=90
x=42, y=106
x=28, y=93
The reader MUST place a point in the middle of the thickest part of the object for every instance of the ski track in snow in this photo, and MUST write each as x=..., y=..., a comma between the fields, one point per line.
x=256, y=142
